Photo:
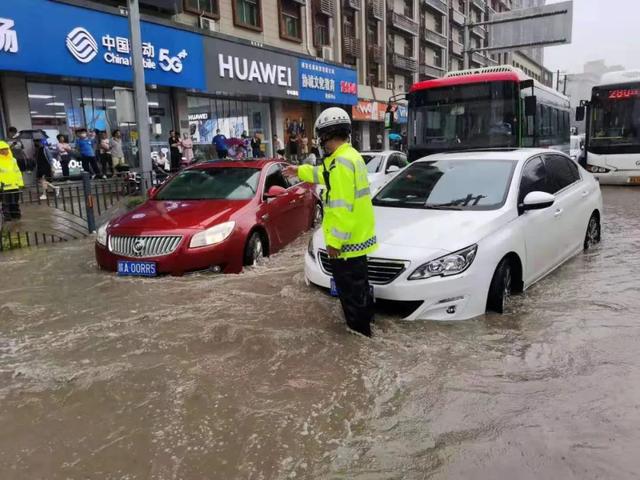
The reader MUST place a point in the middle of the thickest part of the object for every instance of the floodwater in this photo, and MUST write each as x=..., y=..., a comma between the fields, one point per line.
x=254, y=377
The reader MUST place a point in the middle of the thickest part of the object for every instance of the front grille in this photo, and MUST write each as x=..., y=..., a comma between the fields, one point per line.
x=381, y=270
x=144, y=246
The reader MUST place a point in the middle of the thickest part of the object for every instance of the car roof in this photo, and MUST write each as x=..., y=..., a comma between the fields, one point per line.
x=259, y=163
x=516, y=154
x=379, y=152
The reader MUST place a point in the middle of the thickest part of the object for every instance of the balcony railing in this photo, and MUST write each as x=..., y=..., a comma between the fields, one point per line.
x=375, y=9
x=404, y=63
x=353, y=4
x=435, y=38
x=457, y=17
x=403, y=23
x=431, y=71
x=479, y=31
x=457, y=48
x=374, y=53
x=351, y=46
x=438, y=5
x=478, y=58
x=480, y=4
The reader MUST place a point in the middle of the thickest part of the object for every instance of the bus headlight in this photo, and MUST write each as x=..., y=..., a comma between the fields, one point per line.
x=212, y=235
x=451, y=264
x=596, y=169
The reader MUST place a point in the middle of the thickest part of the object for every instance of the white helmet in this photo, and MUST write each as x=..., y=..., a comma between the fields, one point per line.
x=332, y=120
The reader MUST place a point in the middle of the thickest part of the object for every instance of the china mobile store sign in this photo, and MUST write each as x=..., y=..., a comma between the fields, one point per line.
x=42, y=36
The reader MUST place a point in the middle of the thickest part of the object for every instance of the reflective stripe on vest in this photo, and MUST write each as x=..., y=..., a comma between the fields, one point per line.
x=340, y=204
x=362, y=192
x=356, y=247
x=341, y=235
x=346, y=163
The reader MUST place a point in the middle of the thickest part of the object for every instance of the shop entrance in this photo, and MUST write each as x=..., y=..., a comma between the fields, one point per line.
x=298, y=129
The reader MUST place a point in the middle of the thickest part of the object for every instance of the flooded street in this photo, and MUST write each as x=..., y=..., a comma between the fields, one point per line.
x=254, y=376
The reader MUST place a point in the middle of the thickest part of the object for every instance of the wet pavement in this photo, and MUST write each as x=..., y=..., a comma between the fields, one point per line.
x=254, y=377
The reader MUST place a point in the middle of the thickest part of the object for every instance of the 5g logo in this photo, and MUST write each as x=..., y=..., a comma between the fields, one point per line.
x=171, y=64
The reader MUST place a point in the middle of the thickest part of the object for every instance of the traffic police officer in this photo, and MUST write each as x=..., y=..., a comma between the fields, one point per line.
x=348, y=222
x=10, y=183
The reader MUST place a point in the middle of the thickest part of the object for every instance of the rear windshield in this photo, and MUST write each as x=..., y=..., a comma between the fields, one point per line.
x=212, y=184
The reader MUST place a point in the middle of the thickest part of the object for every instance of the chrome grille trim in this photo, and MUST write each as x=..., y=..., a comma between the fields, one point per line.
x=152, y=245
x=382, y=271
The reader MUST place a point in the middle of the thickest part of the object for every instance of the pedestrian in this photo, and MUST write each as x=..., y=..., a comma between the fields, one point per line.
x=187, y=147
x=379, y=141
x=87, y=153
x=246, y=143
x=117, y=153
x=304, y=145
x=17, y=148
x=104, y=151
x=220, y=143
x=278, y=146
x=64, y=150
x=175, y=157
x=293, y=148
x=256, y=142
x=348, y=222
x=10, y=183
x=44, y=172
x=314, y=147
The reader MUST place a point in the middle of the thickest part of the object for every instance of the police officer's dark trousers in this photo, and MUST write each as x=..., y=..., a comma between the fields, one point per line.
x=352, y=281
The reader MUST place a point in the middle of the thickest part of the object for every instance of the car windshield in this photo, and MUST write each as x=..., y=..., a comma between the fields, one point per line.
x=372, y=161
x=615, y=120
x=450, y=185
x=212, y=184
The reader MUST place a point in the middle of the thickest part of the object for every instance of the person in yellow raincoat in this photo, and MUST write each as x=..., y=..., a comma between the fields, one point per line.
x=10, y=183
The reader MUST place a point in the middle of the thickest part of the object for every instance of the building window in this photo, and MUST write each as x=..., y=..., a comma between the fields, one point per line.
x=247, y=14
x=437, y=58
x=461, y=6
x=438, y=25
x=321, y=30
x=290, y=24
x=207, y=8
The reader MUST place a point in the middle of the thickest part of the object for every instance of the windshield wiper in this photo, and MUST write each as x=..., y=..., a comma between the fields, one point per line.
x=441, y=206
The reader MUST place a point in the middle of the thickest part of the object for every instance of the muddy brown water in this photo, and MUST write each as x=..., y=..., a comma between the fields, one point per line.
x=254, y=377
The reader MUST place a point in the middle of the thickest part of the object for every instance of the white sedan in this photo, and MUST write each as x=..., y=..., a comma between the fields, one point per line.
x=383, y=165
x=459, y=232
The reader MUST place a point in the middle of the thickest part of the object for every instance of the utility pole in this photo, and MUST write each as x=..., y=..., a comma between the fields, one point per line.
x=139, y=88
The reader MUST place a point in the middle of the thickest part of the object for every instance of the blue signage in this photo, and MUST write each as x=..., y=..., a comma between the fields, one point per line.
x=402, y=114
x=325, y=83
x=42, y=36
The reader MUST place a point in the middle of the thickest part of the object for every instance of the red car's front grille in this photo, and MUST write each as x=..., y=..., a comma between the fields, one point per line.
x=144, y=246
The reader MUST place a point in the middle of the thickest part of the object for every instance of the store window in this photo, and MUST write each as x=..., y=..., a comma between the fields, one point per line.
x=208, y=8
x=231, y=117
x=247, y=14
x=58, y=108
x=290, y=24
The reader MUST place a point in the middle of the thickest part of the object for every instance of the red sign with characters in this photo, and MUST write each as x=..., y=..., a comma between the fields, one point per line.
x=348, y=87
x=622, y=94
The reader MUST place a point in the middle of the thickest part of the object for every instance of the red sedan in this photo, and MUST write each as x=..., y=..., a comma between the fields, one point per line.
x=216, y=216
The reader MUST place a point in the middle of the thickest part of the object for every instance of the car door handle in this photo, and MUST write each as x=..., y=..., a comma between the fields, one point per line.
x=558, y=212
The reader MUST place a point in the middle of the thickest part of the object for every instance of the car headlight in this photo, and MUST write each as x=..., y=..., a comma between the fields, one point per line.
x=310, y=249
x=212, y=235
x=450, y=264
x=101, y=236
x=574, y=157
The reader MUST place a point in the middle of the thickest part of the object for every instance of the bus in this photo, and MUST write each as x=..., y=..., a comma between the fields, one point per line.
x=613, y=128
x=485, y=108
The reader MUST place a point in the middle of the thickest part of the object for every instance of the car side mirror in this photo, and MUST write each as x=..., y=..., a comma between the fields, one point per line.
x=580, y=113
x=276, y=191
x=393, y=169
x=152, y=192
x=537, y=201
x=530, y=105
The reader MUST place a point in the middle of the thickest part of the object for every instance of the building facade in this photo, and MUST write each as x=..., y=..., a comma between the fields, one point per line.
x=357, y=54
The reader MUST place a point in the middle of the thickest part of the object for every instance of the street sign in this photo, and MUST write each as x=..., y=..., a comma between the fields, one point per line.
x=531, y=27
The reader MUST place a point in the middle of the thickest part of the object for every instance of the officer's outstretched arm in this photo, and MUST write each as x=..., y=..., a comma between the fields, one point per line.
x=311, y=174
x=339, y=210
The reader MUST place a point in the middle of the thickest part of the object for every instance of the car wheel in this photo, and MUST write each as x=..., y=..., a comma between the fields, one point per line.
x=500, y=289
x=254, y=251
x=592, y=237
x=317, y=215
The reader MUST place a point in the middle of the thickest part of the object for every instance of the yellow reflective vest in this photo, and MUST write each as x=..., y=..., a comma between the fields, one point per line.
x=10, y=174
x=348, y=223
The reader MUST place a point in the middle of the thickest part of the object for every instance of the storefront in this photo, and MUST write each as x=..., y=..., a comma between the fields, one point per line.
x=197, y=83
x=368, y=118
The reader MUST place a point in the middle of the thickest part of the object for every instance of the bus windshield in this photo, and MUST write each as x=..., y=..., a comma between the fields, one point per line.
x=615, y=120
x=457, y=117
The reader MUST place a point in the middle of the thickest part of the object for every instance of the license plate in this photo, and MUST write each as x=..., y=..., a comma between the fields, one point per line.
x=139, y=269
x=634, y=180
x=334, y=289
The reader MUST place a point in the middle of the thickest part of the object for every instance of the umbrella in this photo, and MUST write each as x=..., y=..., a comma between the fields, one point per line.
x=32, y=134
x=395, y=137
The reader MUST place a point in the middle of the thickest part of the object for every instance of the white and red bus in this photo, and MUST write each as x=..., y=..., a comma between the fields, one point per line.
x=493, y=107
x=613, y=128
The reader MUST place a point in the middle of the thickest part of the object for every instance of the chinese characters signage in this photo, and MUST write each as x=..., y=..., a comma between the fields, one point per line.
x=321, y=82
x=91, y=44
x=623, y=94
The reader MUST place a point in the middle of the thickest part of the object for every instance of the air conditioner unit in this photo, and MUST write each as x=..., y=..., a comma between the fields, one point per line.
x=208, y=24
x=327, y=53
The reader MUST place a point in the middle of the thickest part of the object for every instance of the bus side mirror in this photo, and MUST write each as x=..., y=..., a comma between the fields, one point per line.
x=580, y=112
x=530, y=105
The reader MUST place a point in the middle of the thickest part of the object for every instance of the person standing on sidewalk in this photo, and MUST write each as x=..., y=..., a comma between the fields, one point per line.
x=84, y=145
x=220, y=144
x=175, y=158
x=187, y=147
x=44, y=172
x=104, y=149
x=348, y=223
x=64, y=154
x=117, y=154
x=10, y=183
